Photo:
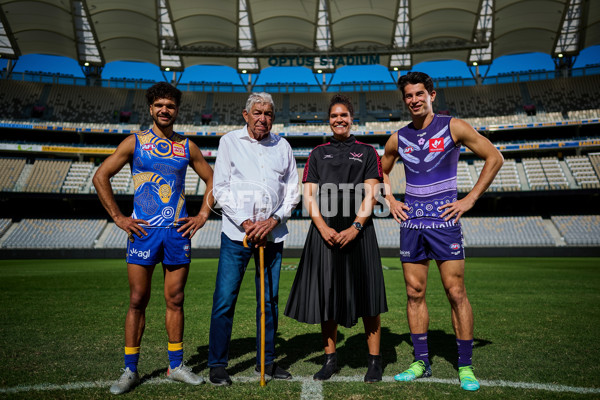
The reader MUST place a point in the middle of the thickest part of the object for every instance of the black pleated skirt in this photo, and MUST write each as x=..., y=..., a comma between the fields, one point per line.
x=338, y=284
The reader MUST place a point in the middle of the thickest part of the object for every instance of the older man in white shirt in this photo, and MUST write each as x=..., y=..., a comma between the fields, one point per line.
x=256, y=183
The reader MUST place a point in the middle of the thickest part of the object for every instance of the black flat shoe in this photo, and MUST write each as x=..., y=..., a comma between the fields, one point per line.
x=218, y=376
x=374, y=370
x=329, y=368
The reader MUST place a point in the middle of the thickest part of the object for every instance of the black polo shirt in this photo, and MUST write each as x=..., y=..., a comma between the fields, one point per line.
x=340, y=162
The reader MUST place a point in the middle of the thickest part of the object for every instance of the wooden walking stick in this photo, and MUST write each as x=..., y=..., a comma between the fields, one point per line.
x=261, y=253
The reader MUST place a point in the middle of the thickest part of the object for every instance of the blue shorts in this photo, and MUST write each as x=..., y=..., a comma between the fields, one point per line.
x=433, y=244
x=164, y=245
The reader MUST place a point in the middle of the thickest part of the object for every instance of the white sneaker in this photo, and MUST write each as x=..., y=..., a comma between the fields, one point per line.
x=126, y=382
x=184, y=374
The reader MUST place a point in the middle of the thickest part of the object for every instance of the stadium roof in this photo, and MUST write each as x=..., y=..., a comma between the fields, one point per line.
x=321, y=34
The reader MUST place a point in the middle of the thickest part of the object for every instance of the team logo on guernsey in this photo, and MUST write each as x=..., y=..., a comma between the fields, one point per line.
x=178, y=150
x=436, y=145
x=408, y=150
x=148, y=146
x=454, y=246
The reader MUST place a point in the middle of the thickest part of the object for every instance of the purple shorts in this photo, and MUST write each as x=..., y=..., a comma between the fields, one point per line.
x=161, y=245
x=433, y=244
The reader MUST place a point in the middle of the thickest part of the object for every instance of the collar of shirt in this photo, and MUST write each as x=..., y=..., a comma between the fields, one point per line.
x=243, y=134
x=348, y=142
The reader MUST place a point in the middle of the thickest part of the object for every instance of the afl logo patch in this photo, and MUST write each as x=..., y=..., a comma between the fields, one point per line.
x=454, y=246
x=408, y=150
x=148, y=146
x=178, y=150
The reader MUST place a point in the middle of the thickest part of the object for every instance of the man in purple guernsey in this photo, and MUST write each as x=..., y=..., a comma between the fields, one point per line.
x=429, y=217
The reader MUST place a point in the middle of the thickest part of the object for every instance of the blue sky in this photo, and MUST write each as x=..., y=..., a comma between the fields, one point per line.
x=436, y=69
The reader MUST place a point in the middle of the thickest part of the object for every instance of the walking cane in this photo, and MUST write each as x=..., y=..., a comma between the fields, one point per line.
x=261, y=252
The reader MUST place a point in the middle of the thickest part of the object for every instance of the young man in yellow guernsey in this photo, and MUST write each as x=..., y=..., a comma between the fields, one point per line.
x=159, y=230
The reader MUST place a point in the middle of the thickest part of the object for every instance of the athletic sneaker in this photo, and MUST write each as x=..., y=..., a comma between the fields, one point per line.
x=184, y=374
x=467, y=378
x=418, y=369
x=126, y=382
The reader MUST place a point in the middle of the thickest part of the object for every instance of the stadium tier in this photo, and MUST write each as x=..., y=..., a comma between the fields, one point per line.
x=481, y=105
x=546, y=173
x=557, y=231
x=53, y=137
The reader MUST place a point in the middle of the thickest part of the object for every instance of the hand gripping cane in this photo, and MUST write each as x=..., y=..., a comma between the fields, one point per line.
x=261, y=252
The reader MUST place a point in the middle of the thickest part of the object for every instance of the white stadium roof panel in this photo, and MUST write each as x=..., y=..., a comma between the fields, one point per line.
x=527, y=26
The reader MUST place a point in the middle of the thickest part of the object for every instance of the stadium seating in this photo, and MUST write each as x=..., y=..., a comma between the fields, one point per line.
x=550, y=94
x=478, y=232
x=11, y=170
x=484, y=100
x=47, y=176
x=54, y=234
x=464, y=179
x=191, y=181
x=388, y=232
x=535, y=174
x=507, y=179
x=112, y=237
x=506, y=231
x=582, y=230
x=78, y=178
x=5, y=223
x=209, y=236
x=297, y=233
x=583, y=171
x=482, y=105
x=122, y=182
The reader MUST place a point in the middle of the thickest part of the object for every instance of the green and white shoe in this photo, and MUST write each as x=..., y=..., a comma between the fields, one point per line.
x=126, y=382
x=417, y=370
x=467, y=378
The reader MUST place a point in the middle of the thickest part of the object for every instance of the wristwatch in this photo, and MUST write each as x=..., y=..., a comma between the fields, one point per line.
x=357, y=225
x=276, y=218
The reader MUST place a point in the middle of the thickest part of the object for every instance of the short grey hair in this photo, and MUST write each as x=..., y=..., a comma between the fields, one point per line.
x=262, y=97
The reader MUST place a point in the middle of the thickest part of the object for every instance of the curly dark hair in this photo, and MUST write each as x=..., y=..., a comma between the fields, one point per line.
x=163, y=90
x=341, y=99
x=413, y=78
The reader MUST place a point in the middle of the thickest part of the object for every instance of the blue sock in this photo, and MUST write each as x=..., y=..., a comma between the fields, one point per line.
x=465, y=352
x=175, y=351
x=132, y=356
x=420, y=345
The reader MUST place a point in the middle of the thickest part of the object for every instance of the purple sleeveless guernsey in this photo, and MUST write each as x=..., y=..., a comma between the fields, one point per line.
x=430, y=159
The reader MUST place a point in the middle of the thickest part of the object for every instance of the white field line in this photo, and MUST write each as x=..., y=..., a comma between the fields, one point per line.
x=312, y=389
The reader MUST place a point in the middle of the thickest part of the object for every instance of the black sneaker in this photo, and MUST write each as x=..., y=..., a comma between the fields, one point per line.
x=218, y=376
x=274, y=371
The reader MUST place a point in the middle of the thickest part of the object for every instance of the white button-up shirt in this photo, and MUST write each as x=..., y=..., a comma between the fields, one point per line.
x=255, y=180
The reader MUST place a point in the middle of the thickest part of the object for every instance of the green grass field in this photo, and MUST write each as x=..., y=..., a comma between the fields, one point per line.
x=537, y=329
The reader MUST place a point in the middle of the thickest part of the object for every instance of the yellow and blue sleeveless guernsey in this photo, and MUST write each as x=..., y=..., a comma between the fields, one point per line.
x=158, y=169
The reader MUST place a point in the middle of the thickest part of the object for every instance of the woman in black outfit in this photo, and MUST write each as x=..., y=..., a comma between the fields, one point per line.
x=340, y=278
